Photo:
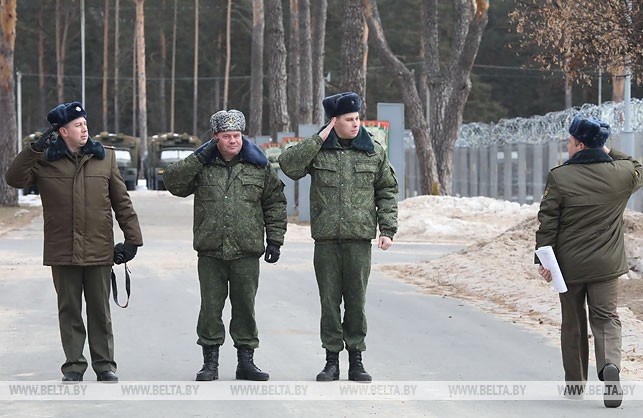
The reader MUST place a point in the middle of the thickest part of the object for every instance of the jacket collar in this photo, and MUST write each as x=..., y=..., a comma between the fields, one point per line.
x=589, y=156
x=362, y=141
x=250, y=153
x=58, y=149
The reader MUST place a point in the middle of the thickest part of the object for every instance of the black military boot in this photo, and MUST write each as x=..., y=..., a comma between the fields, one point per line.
x=331, y=369
x=246, y=369
x=356, y=370
x=210, y=369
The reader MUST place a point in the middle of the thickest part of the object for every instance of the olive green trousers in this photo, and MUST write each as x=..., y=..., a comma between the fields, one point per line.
x=342, y=270
x=601, y=301
x=70, y=283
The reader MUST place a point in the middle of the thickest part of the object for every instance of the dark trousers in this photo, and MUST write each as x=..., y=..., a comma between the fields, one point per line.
x=342, y=270
x=216, y=276
x=70, y=283
x=601, y=300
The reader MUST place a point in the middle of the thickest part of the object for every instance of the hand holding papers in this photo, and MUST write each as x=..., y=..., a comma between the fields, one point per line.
x=548, y=260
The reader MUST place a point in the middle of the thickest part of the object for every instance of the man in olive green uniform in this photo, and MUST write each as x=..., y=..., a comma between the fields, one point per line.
x=353, y=191
x=581, y=217
x=237, y=195
x=79, y=185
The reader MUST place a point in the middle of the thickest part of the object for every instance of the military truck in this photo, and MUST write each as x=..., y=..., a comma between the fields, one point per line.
x=163, y=150
x=126, y=150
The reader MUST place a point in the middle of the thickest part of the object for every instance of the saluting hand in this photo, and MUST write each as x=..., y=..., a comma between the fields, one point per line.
x=326, y=131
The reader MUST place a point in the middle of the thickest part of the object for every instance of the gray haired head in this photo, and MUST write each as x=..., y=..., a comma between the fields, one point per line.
x=227, y=120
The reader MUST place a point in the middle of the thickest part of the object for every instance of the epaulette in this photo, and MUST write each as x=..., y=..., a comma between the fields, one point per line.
x=558, y=166
x=108, y=146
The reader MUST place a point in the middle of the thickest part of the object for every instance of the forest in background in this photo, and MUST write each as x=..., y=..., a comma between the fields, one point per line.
x=503, y=85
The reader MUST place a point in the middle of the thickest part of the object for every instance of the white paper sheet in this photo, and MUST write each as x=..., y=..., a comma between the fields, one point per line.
x=548, y=260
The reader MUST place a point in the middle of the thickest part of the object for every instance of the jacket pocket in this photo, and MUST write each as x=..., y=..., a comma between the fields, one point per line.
x=252, y=188
x=365, y=175
x=325, y=174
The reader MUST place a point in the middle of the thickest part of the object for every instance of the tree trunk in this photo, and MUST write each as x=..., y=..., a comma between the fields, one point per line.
x=9, y=132
x=618, y=85
x=568, y=92
x=117, y=60
x=306, y=65
x=141, y=77
x=318, y=14
x=195, y=90
x=447, y=90
x=173, y=82
x=294, y=56
x=277, y=78
x=105, y=64
x=60, y=52
x=163, y=123
x=256, y=70
x=42, y=92
x=62, y=31
x=354, y=49
x=228, y=55
x=413, y=106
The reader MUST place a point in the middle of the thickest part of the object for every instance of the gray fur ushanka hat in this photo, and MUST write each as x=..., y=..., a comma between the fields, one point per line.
x=227, y=120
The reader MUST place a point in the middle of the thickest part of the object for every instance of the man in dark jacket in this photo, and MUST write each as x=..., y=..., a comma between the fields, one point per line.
x=79, y=185
x=353, y=192
x=581, y=217
x=237, y=195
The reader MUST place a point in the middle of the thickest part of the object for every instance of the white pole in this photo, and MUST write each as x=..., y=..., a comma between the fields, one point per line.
x=19, y=107
x=82, y=48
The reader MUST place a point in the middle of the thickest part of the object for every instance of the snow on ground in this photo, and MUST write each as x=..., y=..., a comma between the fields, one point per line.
x=496, y=270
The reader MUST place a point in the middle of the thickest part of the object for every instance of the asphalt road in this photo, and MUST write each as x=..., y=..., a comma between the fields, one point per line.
x=414, y=339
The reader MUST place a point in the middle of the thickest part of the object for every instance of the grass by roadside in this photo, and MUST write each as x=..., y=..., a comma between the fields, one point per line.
x=12, y=217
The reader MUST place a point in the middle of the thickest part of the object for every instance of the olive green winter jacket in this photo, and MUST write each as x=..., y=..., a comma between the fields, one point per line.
x=233, y=205
x=353, y=190
x=581, y=214
x=78, y=195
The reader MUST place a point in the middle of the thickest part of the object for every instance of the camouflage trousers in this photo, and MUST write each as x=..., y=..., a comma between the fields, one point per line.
x=70, y=283
x=342, y=270
x=241, y=277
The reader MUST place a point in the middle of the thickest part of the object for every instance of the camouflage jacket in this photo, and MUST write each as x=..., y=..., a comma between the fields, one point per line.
x=352, y=190
x=233, y=205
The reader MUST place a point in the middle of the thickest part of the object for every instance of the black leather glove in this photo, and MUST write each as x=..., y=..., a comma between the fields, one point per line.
x=205, y=153
x=124, y=252
x=272, y=252
x=44, y=140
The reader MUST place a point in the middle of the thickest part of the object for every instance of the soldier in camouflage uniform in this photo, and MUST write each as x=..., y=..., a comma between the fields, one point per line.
x=353, y=191
x=236, y=196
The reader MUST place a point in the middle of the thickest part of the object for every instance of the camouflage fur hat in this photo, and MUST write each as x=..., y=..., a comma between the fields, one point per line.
x=225, y=121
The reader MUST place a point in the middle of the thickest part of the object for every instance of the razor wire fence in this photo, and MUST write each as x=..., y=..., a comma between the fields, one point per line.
x=510, y=159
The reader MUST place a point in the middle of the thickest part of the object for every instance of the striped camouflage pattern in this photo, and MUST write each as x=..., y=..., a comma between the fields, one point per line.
x=230, y=213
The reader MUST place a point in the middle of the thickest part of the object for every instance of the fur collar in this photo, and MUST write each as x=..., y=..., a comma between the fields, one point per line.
x=58, y=149
x=250, y=153
x=362, y=141
x=589, y=156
